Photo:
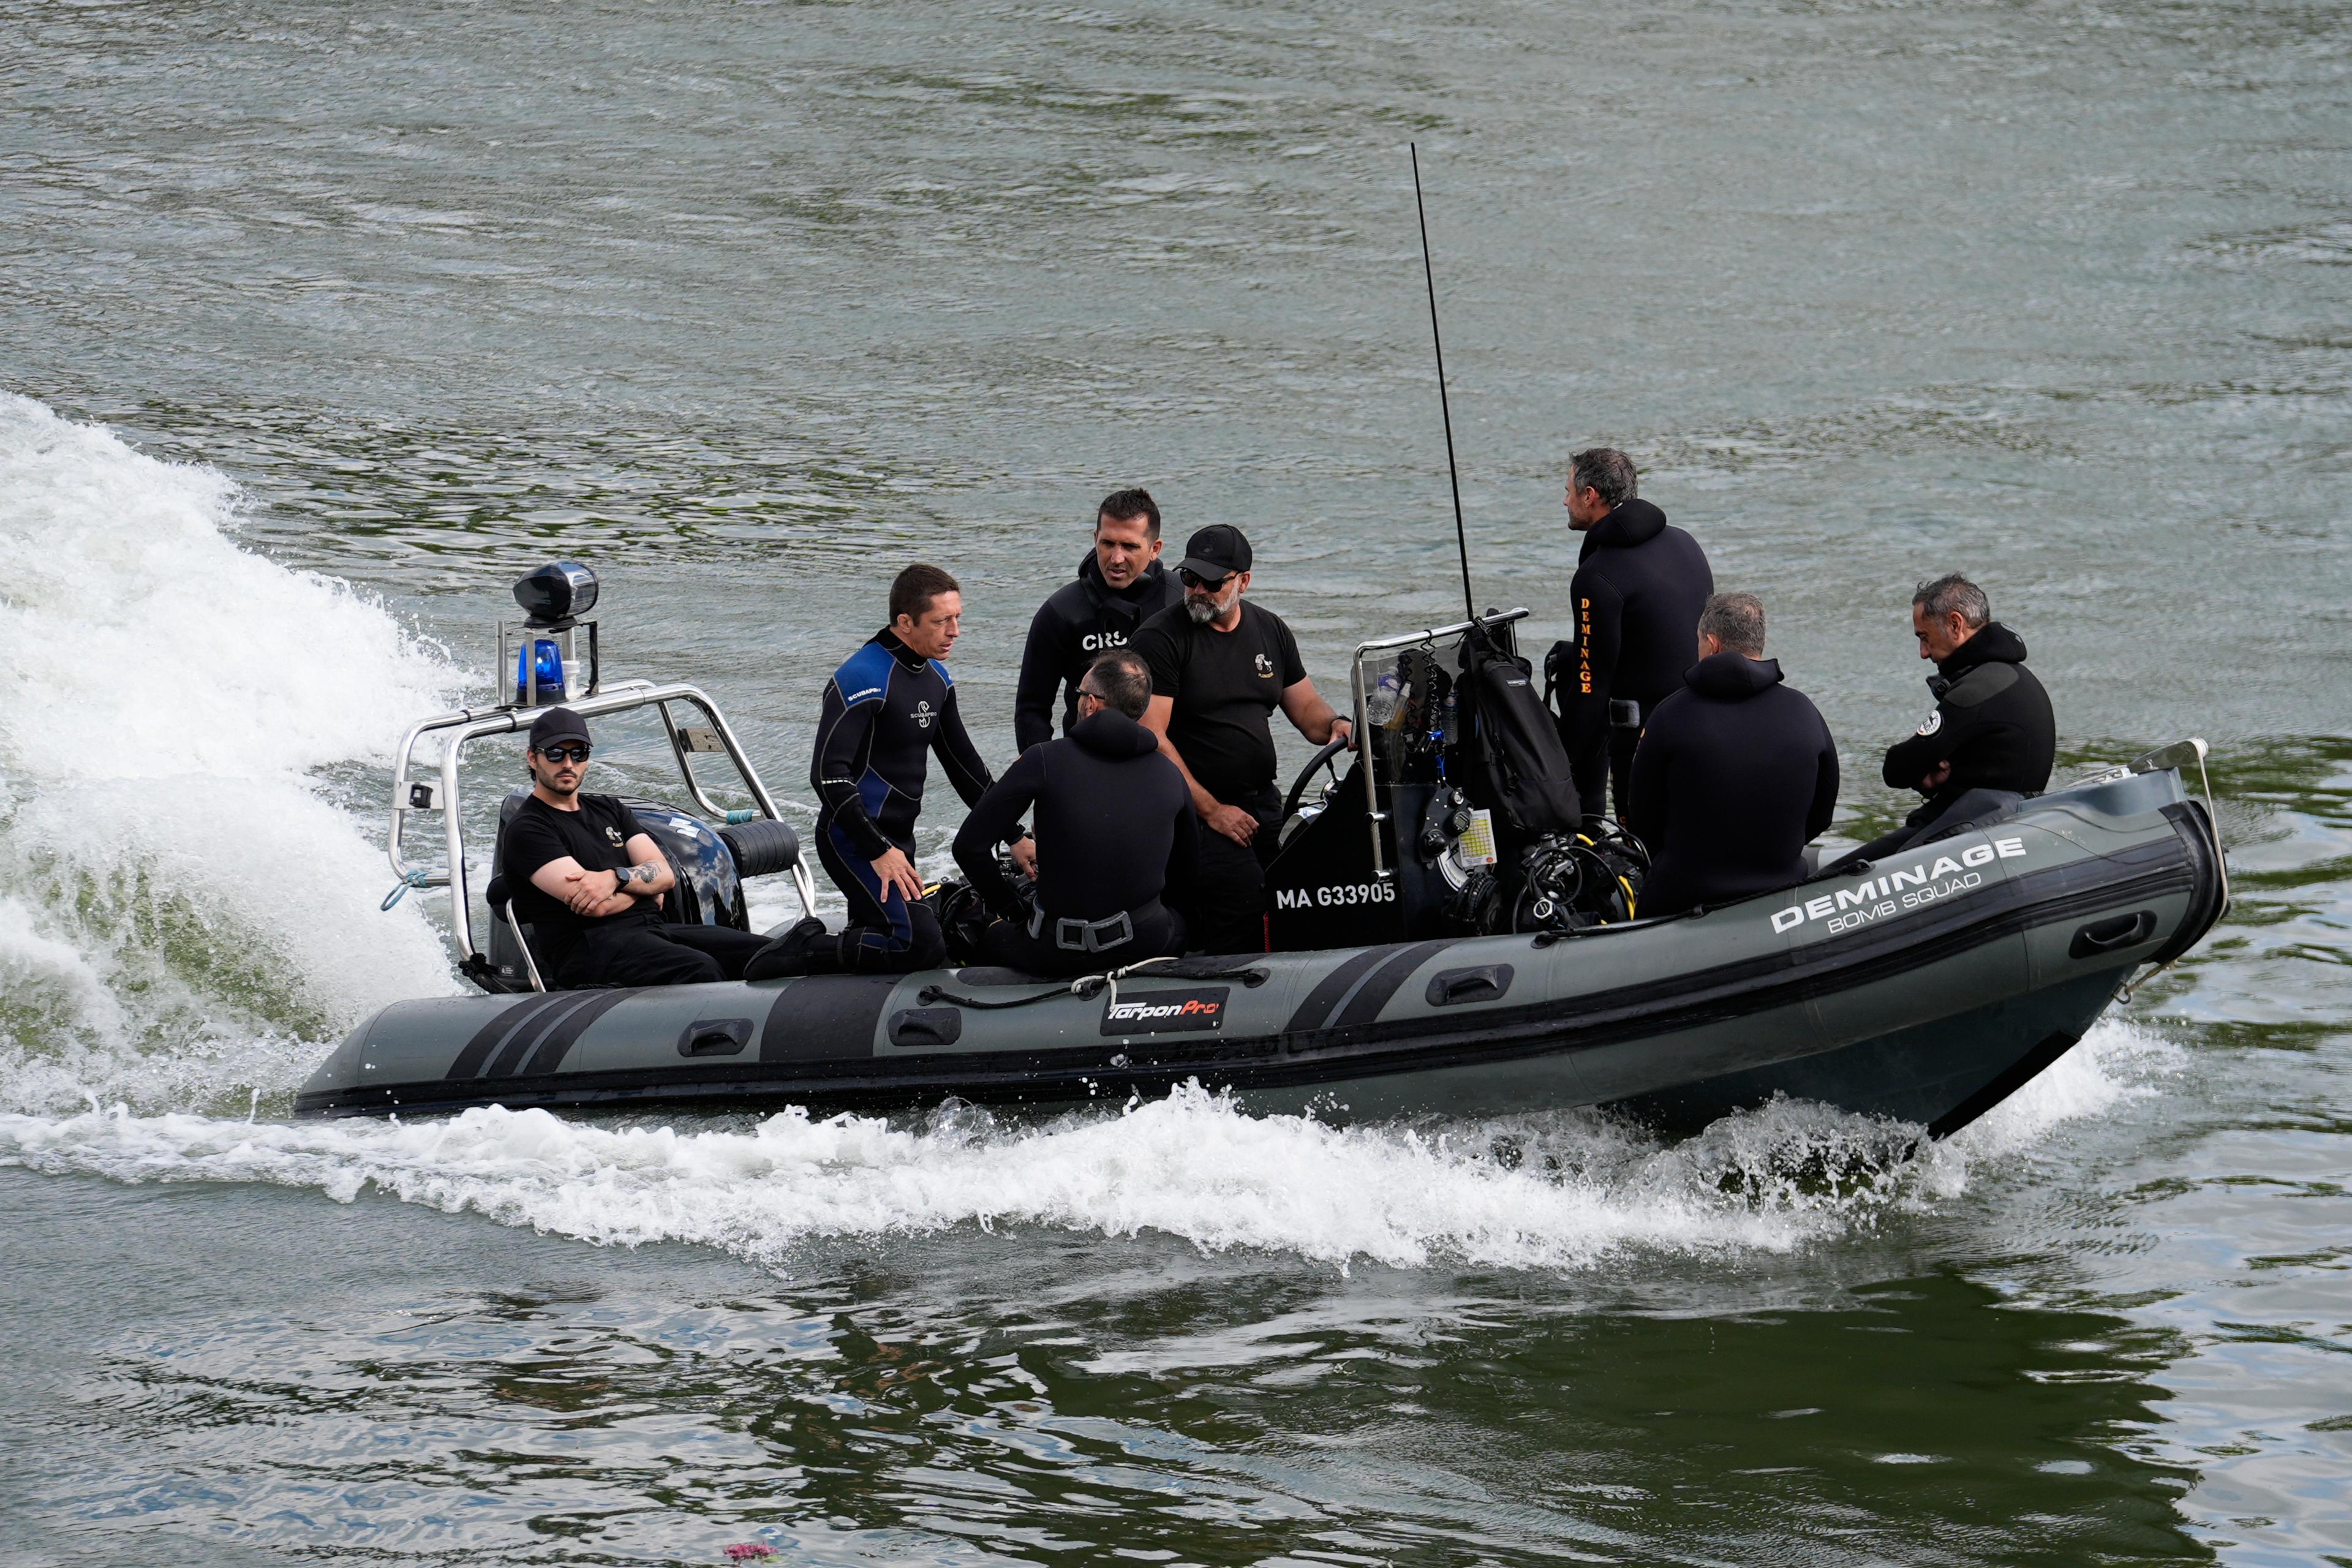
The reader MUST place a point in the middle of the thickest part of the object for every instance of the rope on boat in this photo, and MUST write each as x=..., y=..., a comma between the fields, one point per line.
x=1087, y=986
x=412, y=879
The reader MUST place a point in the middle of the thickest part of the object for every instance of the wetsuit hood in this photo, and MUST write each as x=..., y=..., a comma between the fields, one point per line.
x=1993, y=644
x=1145, y=585
x=1730, y=676
x=1632, y=522
x=1115, y=737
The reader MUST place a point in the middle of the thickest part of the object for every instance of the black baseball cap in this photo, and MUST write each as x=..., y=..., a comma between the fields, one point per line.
x=1217, y=551
x=555, y=725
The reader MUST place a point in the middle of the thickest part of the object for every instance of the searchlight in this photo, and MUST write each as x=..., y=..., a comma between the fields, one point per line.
x=538, y=662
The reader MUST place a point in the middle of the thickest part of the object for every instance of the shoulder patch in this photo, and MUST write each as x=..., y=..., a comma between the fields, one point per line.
x=864, y=677
x=1934, y=723
x=1986, y=680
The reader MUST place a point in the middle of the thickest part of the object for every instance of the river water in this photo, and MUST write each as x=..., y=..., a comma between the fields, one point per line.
x=318, y=325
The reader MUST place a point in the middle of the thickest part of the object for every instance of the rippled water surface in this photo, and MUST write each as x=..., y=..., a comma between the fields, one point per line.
x=317, y=325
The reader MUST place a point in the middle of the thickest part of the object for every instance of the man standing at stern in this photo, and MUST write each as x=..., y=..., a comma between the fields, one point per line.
x=1736, y=773
x=1219, y=667
x=893, y=702
x=1636, y=596
x=1120, y=585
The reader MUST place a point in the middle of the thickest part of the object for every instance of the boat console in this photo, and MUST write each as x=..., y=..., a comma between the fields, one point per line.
x=1406, y=847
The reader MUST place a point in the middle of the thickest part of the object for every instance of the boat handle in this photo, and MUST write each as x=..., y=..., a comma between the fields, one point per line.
x=714, y=1037
x=2112, y=934
x=1484, y=984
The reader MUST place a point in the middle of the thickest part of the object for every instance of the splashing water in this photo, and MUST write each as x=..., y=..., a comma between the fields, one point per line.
x=1553, y=1190
x=181, y=905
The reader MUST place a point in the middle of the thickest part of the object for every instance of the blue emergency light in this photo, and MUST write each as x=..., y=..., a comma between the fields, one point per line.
x=542, y=659
x=549, y=667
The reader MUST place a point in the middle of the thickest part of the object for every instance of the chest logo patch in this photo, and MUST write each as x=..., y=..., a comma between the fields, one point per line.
x=923, y=715
x=614, y=834
x=1265, y=667
x=1935, y=721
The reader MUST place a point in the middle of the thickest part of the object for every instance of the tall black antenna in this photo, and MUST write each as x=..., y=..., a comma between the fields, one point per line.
x=1452, y=471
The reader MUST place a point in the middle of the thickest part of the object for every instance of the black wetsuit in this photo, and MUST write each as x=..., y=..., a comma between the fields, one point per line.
x=1115, y=837
x=1223, y=685
x=1992, y=721
x=635, y=947
x=1082, y=621
x=1636, y=596
x=883, y=711
x=1736, y=773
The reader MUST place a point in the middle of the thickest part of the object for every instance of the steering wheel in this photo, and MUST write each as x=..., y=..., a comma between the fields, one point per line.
x=1321, y=759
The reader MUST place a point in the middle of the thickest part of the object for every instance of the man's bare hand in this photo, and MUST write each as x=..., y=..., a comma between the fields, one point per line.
x=1344, y=729
x=1233, y=822
x=1938, y=776
x=619, y=904
x=583, y=890
x=1025, y=857
x=897, y=871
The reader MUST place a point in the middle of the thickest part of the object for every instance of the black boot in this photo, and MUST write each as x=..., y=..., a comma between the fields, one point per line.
x=786, y=956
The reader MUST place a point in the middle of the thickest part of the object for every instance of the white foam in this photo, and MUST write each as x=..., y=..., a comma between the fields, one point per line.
x=176, y=894
x=1549, y=1191
x=2117, y=1061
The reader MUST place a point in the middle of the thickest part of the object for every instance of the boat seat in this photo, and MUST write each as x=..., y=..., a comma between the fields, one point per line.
x=503, y=906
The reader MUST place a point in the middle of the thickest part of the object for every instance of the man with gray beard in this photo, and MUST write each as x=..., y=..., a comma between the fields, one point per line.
x=1220, y=667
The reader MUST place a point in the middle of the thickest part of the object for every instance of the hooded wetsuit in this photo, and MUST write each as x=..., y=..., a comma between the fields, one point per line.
x=1638, y=587
x=1083, y=620
x=1736, y=773
x=1116, y=834
x=1992, y=722
x=882, y=712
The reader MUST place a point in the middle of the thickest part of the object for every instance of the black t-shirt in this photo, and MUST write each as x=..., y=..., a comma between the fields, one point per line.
x=597, y=836
x=1223, y=685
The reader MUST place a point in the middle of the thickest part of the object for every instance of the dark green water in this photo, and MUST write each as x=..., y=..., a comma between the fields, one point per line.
x=748, y=305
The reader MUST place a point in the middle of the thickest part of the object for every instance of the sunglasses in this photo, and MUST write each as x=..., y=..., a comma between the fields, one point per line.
x=566, y=754
x=1192, y=579
x=1096, y=695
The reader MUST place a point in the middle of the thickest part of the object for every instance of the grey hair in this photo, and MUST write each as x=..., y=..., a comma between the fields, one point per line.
x=1605, y=470
x=1953, y=591
x=1123, y=680
x=1735, y=620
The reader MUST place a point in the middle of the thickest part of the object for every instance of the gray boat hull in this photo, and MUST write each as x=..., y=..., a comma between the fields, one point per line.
x=1927, y=988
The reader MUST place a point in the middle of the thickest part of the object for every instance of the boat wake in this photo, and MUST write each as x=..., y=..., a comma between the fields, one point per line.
x=188, y=919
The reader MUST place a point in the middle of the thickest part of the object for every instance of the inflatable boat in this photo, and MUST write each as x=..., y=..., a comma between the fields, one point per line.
x=1926, y=986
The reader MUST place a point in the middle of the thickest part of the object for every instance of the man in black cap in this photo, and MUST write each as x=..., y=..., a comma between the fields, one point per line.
x=1120, y=585
x=1636, y=596
x=1219, y=667
x=588, y=881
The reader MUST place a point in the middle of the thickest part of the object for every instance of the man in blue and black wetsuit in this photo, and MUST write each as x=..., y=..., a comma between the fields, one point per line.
x=890, y=704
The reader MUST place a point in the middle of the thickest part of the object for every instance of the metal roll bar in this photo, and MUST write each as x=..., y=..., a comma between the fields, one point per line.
x=1380, y=868
x=472, y=723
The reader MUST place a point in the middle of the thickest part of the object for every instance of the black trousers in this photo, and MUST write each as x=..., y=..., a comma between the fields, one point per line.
x=1159, y=934
x=642, y=952
x=1227, y=911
